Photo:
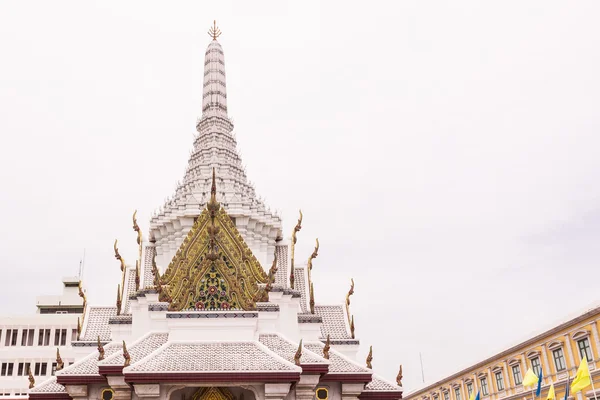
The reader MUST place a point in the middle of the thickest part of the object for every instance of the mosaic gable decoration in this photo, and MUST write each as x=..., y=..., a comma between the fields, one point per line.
x=213, y=269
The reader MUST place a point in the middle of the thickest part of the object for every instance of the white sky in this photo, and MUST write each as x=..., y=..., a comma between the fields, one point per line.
x=445, y=153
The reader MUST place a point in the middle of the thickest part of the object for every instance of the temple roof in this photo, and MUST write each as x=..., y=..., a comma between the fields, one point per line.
x=96, y=323
x=137, y=350
x=379, y=384
x=49, y=386
x=87, y=366
x=209, y=357
x=335, y=321
x=287, y=349
x=338, y=363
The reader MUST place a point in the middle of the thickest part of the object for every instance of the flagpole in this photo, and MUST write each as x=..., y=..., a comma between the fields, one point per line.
x=593, y=390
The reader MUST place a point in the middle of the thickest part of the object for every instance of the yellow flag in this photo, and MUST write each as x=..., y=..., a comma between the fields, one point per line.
x=551, y=395
x=530, y=379
x=582, y=379
x=472, y=396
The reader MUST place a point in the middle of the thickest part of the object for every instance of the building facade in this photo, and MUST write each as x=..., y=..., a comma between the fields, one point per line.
x=31, y=341
x=557, y=353
x=215, y=307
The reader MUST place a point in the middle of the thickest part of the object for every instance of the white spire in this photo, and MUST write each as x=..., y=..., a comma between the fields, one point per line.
x=214, y=93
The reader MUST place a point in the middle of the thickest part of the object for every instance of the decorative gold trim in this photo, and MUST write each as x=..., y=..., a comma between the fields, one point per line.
x=370, y=358
x=59, y=362
x=399, y=376
x=213, y=393
x=214, y=31
x=293, y=245
x=100, y=350
x=126, y=356
x=298, y=354
x=317, y=391
x=326, y=348
x=107, y=390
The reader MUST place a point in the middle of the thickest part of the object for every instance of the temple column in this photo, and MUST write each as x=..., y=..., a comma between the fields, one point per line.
x=305, y=388
x=120, y=387
x=276, y=391
x=351, y=391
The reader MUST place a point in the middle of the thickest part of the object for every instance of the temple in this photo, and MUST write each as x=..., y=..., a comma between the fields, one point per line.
x=216, y=306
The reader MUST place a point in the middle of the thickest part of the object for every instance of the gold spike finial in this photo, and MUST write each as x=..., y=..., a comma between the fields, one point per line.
x=294, y=239
x=370, y=358
x=100, y=350
x=350, y=293
x=139, y=240
x=399, y=376
x=314, y=255
x=352, y=327
x=118, y=256
x=59, y=362
x=298, y=354
x=78, y=328
x=312, y=299
x=31, y=379
x=126, y=356
x=214, y=31
x=326, y=348
x=119, y=299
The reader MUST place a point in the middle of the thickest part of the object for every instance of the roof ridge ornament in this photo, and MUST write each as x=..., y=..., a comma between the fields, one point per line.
x=139, y=241
x=59, y=362
x=126, y=356
x=326, y=348
x=370, y=358
x=214, y=31
x=119, y=301
x=100, y=350
x=312, y=299
x=352, y=327
x=399, y=376
x=31, y=378
x=294, y=239
x=298, y=354
x=350, y=293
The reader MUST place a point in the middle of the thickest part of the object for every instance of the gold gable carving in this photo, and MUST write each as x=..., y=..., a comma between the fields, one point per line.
x=214, y=268
x=212, y=393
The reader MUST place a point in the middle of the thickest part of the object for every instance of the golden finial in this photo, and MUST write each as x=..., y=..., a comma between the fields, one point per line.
x=294, y=239
x=126, y=355
x=213, y=205
x=370, y=358
x=31, y=379
x=119, y=299
x=350, y=293
x=118, y=256
x=214, y=31
x=326, y=348
x=100, y=350
x=312, y=299
x=78, y=328
x=139, y=240
x=298, y=353
x=399, y=376
x=137, y=228
x=314, y=255
x=82, y=295
x=59, y=362
x=352, y=327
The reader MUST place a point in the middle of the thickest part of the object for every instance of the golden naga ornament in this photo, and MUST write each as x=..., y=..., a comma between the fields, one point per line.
x=298, y=354
x=214, y=269
x=118, y=256
x=59, y=362
x=119, y=299
x=326, y=348
x=100, y=350
x=312, y=299
x=399, y=376
x=370, y=358
x=126, y=356
x=352, y=327
x=350, y=293
x=293, y=244
x=31, y=379
x=139, y=241
x=78, y=329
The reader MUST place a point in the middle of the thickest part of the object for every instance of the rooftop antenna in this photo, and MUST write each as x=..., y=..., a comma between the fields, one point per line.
x=422, y=372
x=81, y=265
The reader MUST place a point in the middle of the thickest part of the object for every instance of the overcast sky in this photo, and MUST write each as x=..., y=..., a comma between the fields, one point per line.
x=444, y=153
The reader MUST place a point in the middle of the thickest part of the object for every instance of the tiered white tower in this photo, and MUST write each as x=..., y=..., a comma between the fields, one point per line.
x=215, y=147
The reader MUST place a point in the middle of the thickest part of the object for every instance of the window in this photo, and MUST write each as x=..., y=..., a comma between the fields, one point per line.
x=53, y=372
x=23, y=369
x=446, y=395
x=499, y=381
x=27, y=338
x=470, y=388
x=11, y=337
x=44, y=337
x=516, y=370
x=41, y=369
x=60, y=337
x=7, y=369
x=322, y=394
x=484, y=386
x=74, y=335
x=108, y=394
x=536, y=366
x=457, y=393
x=584, y=348
x=36, y=370
x=559, y=359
